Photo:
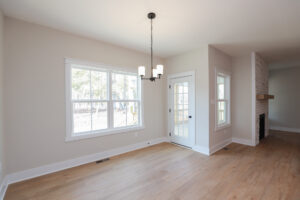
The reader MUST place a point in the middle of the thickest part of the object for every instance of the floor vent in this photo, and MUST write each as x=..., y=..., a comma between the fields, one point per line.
x=101, y=161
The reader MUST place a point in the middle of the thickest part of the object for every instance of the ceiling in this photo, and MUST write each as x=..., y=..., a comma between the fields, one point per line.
x=270, y=27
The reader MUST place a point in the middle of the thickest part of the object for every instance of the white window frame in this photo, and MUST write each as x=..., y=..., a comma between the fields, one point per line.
x=227, y=98
x=69, y=105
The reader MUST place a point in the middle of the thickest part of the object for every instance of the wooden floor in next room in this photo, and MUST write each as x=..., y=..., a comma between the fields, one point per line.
x=165, y=171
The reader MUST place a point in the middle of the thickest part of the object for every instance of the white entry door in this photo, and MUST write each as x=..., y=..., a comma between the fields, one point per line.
x=182, y=109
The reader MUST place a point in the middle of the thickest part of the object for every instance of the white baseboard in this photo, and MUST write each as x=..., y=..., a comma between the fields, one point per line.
x=280, y=128
x=3, y=187
x=243, y=141
x=200, y=149
x=219, y=146
x=47, y=169
x=209, y=151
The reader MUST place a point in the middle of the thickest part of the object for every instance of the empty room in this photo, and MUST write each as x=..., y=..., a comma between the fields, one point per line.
x=143, y=100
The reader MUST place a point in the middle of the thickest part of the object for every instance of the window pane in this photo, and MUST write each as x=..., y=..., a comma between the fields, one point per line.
x=99, y=85
x=186, y=99
x=80, y=84
x=124, y=87
x=221, y=87
x=126, y=114
x=132, y=113
x=221, y=79
x=81, y=117
x=119, y=114
x=186, y=87
x=118, y=86
x=221, y=90
x=221, y=112
x=132, y=90
x=179, y=98
x=179, y=88
x=99, y=116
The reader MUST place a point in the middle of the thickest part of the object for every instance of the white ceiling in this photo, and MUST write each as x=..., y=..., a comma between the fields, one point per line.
x=271, y=27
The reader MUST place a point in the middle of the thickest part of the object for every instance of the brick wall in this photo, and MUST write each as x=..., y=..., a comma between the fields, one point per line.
x=262, y=87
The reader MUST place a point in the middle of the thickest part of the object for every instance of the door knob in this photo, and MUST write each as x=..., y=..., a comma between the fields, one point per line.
x=190, y=116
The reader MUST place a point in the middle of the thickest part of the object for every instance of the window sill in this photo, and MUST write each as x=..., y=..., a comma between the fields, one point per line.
x=103, y=133
x=221, y=127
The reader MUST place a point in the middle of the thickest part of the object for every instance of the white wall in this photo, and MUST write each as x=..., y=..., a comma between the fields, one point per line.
x=218, y=60
x=284, y=109
x=242, y=99
x=196, y=61
x=2, y=157
x=34, y=82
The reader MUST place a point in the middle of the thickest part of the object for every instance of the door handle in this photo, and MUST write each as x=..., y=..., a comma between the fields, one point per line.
x=190, y=116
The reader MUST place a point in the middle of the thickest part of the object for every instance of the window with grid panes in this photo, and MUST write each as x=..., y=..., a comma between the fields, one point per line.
x=101, y=101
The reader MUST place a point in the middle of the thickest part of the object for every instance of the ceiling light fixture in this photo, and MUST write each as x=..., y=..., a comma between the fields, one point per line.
x=157, y=72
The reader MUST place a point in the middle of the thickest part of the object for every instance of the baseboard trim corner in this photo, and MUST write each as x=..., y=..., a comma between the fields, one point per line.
x=55, y=167
x=243, y=141
x=219, y=146
x=201, y=149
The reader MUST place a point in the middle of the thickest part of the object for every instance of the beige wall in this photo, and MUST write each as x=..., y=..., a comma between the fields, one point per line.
x=34, y=91
x=2, y=158
x=34, y=82
x=242, y=99
x=284, y=109
x=217, y=61
x=196, y=61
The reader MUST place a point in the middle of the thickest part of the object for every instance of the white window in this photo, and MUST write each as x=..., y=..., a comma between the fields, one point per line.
x=222, y=100
x=101, y=101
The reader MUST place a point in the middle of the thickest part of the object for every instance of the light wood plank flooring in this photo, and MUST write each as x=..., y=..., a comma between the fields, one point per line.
x=165, y=171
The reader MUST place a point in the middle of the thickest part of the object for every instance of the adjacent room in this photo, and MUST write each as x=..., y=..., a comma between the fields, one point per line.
x=161, y=99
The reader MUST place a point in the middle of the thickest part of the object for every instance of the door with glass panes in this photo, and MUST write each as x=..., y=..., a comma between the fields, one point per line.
x=181, y=110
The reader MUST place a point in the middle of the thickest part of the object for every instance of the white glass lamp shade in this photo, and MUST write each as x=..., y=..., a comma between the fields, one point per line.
x=155, y=74
x=160, y=69
x=142, y=71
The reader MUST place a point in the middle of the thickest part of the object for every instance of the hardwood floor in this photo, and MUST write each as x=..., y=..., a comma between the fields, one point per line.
x=165, y=171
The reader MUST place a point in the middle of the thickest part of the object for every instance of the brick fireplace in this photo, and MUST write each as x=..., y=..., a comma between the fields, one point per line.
x=261, y=87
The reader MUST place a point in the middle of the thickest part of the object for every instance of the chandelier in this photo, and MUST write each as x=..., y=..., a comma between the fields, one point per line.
x=157, y=72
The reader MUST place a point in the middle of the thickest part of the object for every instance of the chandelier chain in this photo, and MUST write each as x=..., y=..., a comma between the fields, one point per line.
x=151, y=49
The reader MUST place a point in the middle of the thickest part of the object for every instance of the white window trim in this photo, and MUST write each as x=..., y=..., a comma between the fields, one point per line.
x=69, y=109
x=227, y=74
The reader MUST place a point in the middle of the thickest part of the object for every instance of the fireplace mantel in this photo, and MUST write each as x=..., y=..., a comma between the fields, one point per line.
x=264, y=96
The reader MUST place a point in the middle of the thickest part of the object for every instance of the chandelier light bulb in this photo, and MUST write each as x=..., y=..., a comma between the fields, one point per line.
x=160, y=69
x=142, y=71
x=155, y=74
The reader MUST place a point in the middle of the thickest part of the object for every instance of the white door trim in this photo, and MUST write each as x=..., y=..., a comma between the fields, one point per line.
x=193, y=108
